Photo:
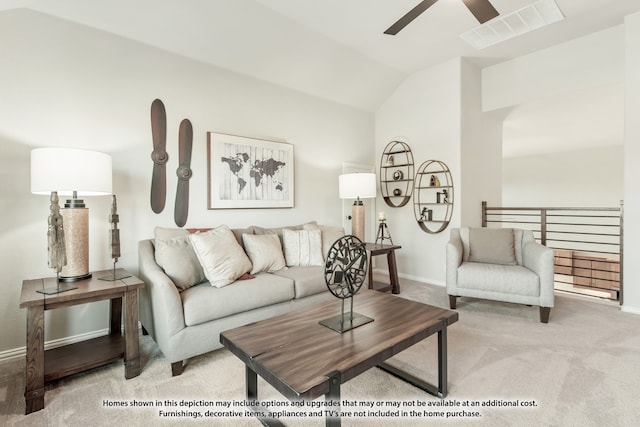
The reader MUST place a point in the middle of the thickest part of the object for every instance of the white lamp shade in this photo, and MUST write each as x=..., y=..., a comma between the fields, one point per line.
x=66, y=170
x=357, y=185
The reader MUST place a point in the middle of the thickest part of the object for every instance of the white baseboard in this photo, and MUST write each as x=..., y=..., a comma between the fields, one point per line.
x=411, y=277
x=22, y=351
x=629, y=309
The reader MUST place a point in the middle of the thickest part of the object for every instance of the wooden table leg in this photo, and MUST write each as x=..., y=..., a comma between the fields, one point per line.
x=393, y=272
x=370, y=274
x=34, y=387
x=132, y=345
x=115, y=316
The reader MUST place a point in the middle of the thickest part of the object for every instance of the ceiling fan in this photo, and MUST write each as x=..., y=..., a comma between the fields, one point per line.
x=483, y=10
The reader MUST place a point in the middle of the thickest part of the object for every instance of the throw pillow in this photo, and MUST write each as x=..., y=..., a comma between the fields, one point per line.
x=178, y=260
x=492, y=246
x=302, y=247
x=329, y=235
x=223, y=260
x=265, y=252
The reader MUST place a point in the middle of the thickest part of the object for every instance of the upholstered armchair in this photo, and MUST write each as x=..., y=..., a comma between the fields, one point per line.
x=501, y=264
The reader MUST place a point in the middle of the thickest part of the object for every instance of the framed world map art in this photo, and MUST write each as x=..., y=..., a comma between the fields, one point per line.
x=249, y=173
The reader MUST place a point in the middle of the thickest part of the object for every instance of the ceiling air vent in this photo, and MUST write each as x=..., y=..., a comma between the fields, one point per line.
x=522, y=21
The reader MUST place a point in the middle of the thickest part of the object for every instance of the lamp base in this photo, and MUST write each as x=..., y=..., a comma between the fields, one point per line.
x=357, y=220
x=68, y=279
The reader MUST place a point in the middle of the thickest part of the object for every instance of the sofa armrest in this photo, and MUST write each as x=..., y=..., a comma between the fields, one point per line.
x=539, y=259
x=161, y=311
x=454, y=259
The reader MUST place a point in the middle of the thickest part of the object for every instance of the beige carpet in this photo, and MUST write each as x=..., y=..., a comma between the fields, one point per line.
x=581, y=369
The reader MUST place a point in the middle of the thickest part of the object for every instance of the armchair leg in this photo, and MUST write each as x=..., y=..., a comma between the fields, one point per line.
x=544, y=314
x=452, y=302
x=177, y=368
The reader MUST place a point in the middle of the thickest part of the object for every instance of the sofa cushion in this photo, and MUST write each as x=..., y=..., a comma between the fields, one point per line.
x=497, y=278
x=302, y=248
x=265, y=252
x=308, y=280
x=179, y=261
x=203, y=303
x=492, y=245
x=220, y=255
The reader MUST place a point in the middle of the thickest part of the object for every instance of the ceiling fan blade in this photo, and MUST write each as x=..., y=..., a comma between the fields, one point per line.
x=410, y=16
x=483, y=10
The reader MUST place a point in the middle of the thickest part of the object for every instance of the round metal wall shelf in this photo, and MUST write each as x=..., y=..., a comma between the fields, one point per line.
x=396, y=174
x=433, y=196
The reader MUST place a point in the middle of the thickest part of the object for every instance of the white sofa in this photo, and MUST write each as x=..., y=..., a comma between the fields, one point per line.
x=185, y=313
x=502, y=264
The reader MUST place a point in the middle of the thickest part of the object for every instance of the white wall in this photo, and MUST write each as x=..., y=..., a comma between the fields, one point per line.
x=437, y=111
x=424, y=112
x=606, y=58
x=480, y=152
x=63, y=84
x=591, y=61
x=631, y=297
x=587, y=178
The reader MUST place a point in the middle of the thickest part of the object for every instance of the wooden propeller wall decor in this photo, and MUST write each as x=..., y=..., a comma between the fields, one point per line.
x=159, y=156
x=483, y=10
x=185, y=141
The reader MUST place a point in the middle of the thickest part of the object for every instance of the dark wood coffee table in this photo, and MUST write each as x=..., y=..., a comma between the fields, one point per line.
x=304, y=360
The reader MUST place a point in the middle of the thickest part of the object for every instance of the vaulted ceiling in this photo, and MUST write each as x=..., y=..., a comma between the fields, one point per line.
x=336, y=49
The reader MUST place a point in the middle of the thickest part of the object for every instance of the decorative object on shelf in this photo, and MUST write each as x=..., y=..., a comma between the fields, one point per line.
x=433, y=196
x=426, y=215
x=383, y=230
x=396, y=174
x=249, y=173
x=55, y=246
x=114, y=241
x=344, y=273
x=185, y=143
x=159, y=156
x=357, y=186
x=72, y=172
x=441, y=196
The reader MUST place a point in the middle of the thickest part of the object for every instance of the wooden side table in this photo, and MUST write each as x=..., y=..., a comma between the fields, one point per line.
x=389, y=250
x=44, y=366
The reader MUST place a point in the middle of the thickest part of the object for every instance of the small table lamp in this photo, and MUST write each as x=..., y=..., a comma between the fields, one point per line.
x=357, y=186
x=72, y=172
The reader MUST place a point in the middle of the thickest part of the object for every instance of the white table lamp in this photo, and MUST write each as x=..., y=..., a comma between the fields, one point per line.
x=72, y=172
x=357, y=186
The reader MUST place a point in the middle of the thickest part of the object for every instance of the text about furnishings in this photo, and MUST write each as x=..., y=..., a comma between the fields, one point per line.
x=283, y=409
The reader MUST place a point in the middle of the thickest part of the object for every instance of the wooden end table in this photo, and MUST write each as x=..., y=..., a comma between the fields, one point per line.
x=388, y=250
x=45, y=366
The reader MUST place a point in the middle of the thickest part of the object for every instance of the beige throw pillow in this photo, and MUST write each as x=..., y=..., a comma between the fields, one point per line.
x=492, y=246
x=179, y=261
x=265, y=252
x=329, y=235
x=220, y=255
x=302, y=247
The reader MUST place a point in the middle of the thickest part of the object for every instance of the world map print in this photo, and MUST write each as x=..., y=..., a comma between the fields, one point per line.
x=253, y=173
